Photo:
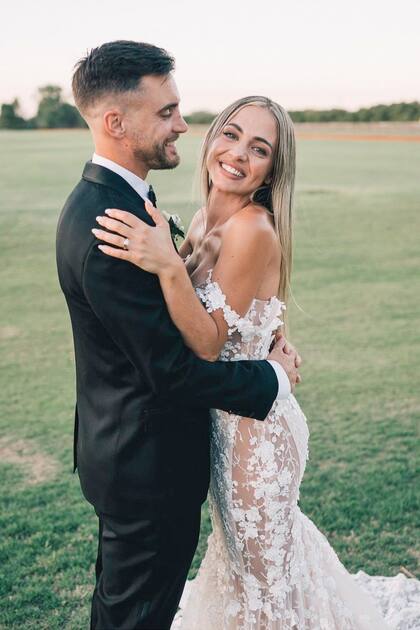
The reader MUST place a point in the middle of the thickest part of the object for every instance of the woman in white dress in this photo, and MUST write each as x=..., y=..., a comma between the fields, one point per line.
x=267, y=566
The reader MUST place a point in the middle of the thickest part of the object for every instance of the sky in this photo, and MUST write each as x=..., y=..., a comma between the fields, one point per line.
x=302, y=53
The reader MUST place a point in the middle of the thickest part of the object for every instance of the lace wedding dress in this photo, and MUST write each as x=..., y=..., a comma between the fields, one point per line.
x=267, y=567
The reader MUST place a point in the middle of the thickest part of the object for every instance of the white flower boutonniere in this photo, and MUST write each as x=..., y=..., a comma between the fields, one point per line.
x=175, y=225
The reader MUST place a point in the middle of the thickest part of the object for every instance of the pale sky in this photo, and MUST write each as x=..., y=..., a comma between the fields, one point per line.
x=302, y=53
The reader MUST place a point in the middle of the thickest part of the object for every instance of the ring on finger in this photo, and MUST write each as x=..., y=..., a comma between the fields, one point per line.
x=126, y=244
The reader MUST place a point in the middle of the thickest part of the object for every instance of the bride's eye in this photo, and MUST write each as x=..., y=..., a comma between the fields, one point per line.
x=260, y=151
x=229, y=134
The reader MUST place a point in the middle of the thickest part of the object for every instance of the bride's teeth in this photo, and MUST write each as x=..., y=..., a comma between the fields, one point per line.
x=230, y=169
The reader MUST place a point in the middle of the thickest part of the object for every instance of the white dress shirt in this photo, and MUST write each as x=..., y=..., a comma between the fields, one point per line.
x=284, y=384
x=142, y=188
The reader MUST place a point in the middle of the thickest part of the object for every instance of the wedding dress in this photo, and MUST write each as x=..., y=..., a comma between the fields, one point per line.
x=267, y=567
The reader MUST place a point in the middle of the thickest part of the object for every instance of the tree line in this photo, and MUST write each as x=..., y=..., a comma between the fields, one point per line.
x=402, y=112
x=55, y=113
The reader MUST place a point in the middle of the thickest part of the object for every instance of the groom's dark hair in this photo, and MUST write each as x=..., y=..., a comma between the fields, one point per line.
x=117, y=67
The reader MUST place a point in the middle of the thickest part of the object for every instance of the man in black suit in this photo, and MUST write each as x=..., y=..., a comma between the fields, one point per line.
x=143, y=398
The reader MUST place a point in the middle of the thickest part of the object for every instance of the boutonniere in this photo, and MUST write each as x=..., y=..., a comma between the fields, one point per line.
x=175, y=225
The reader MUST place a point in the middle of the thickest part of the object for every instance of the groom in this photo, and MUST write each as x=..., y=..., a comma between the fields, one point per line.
x=143, y=398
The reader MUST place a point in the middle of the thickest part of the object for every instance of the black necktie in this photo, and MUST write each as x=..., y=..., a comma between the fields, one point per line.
x=152, y=196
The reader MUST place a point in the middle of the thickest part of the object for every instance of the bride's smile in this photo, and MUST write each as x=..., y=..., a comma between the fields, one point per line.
x=240, y=159
x=231, y=169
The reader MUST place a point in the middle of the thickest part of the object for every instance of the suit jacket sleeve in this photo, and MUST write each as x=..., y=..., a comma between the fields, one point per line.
x=129, y=304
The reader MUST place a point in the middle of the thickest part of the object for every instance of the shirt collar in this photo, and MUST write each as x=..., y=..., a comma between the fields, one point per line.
x=140, y=186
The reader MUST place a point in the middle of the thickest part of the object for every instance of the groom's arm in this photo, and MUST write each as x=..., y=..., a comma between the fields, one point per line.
x=129, y=304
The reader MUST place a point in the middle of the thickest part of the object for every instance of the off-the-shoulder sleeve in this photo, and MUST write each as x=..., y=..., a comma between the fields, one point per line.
x=213, y=298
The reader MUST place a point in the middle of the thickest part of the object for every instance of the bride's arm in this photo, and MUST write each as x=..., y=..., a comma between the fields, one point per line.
x=247, y=247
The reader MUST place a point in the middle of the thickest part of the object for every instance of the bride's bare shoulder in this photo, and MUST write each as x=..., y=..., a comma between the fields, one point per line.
x=252, y=224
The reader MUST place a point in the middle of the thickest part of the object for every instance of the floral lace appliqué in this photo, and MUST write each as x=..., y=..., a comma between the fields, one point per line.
x=267, y=567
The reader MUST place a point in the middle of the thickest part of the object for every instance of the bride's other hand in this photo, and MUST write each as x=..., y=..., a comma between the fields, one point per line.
x=150, y=248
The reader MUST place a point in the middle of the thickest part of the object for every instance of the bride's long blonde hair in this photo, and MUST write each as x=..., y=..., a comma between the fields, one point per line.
x=278, y=195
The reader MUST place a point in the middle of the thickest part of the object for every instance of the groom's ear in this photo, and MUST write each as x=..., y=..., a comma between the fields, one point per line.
x=114, y=123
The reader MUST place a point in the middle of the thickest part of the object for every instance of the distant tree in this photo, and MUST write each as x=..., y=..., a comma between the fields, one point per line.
x=68, y=117
x=49, y=104
x=364, y=114
x=31, y=123
x=200, y=118
x=9, y=116
x=380, y=112
x=405, y=111
x=53, y=112
x=297, y=116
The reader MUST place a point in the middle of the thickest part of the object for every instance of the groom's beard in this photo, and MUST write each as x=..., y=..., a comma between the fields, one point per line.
x=156, y=158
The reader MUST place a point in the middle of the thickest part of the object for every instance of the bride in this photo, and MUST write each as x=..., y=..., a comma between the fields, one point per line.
x=267, y=566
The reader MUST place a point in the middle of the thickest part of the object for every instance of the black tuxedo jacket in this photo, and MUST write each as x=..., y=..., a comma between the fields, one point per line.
x=143, y=398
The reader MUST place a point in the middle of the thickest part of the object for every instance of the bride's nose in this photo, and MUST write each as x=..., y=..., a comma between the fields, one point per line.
x=240, y=152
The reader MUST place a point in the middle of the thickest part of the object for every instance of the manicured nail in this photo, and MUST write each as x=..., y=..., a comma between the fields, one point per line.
x=108, y=211
x=101, y=247
x=94, y=230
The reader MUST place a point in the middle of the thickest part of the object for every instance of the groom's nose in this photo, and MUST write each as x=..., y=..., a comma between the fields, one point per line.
x=179, y=125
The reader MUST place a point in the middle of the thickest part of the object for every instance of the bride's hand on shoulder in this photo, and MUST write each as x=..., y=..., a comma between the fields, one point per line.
x=129, y=238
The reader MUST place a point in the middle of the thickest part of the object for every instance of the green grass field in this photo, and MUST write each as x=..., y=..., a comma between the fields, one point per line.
x=356, y=277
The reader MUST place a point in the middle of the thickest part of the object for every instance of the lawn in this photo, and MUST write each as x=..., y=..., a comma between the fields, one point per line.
x=356, y=323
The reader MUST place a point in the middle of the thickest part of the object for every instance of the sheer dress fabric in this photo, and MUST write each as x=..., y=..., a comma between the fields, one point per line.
x=267, y=567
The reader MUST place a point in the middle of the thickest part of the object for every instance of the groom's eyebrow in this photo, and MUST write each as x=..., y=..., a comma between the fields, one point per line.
x=255, y=137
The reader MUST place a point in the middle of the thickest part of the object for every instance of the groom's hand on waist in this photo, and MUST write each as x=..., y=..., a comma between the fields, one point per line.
x=285, y=353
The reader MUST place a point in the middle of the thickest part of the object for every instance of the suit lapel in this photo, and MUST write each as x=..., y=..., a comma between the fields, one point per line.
x=100, y=175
